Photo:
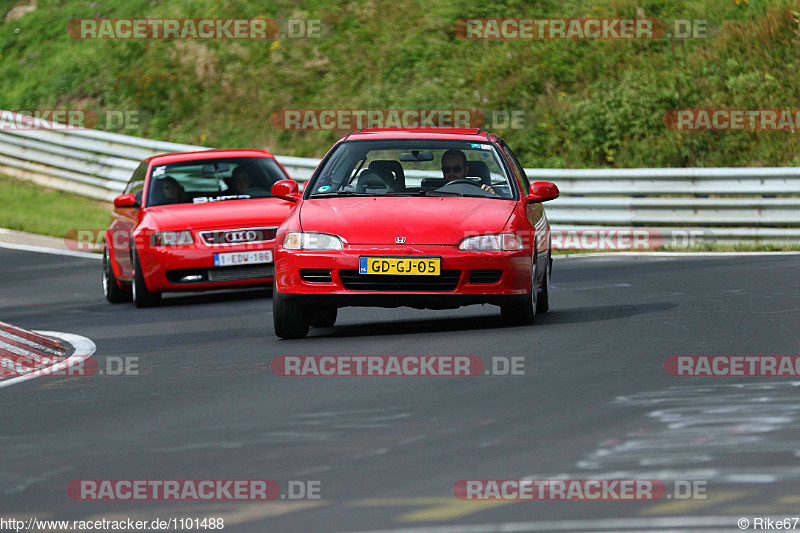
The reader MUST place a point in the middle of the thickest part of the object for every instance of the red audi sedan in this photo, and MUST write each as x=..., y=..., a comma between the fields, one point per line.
x=193, y=222
x=425, y=218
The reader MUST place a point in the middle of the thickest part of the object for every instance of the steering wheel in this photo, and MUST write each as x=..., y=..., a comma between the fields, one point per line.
x=462, y=180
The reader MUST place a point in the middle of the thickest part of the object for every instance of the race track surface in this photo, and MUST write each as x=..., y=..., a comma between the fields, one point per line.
x=594, y=402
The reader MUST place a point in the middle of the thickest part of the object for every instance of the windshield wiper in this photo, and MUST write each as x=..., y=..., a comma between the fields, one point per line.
x=443, y=193
x=340, y=193
x=453, y=193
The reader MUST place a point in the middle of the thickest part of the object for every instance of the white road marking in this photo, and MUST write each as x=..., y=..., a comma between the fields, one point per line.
x=613, y=524
x=84, y=348
x=52, y=251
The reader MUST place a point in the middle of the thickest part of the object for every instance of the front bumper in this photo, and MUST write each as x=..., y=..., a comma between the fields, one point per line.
x=332, y=278
x=168, y=269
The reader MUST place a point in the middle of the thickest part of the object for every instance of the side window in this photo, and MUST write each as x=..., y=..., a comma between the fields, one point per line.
x=517, y=168
x=136, y=183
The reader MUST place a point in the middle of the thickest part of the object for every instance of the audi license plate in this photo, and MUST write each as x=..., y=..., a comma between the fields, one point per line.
x=400, y=266
x=243, y=258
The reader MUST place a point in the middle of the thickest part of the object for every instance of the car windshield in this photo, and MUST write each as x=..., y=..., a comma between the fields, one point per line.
x=405, y=167
x=213, y=180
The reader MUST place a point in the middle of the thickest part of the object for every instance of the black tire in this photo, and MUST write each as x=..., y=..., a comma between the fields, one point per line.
x=522, y=312
x=111, y=289
x=289, y=318
x=543, y=303
x=324, y=317
x=141, y=296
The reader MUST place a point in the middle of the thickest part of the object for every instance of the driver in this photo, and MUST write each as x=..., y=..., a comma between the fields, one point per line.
x=243, y=183
x=242, y=180
x=454, y=167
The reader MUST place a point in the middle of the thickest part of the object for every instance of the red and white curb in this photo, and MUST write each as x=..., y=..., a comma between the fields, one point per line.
x=26, y=355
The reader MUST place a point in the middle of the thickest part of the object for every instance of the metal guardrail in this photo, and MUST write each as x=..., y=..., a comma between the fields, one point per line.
x=89, y=162
x=728, y=204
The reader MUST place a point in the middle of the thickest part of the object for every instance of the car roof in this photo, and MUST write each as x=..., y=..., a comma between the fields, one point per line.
x=207, y=154
x=460, y=134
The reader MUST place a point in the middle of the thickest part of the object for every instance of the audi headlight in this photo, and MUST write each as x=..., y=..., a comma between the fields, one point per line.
x=172, y=238
x=491, y=243
x=312, y=241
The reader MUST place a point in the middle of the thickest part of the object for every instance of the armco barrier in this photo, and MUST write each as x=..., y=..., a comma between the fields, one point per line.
x=730, y=204
x=91, y=162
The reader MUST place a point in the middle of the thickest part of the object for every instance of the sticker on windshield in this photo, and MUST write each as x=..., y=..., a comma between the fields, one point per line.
x=158, y=171
x=324, y=188
x=481, y=146
x=206, y=199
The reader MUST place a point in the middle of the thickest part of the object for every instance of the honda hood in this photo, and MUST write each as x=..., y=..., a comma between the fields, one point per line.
x=418, y=220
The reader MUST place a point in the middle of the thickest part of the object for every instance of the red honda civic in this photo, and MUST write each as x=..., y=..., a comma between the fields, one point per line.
x=425, y=218
x=193, y=222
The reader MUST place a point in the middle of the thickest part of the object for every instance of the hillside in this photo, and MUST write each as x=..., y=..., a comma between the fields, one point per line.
x=585, y=103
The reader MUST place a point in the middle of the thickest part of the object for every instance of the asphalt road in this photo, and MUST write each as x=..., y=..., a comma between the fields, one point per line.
x=594, y=402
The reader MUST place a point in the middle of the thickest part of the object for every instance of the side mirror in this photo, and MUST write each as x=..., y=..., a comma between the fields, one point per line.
x=541, y=191
x=286, y=190
x=126, y=200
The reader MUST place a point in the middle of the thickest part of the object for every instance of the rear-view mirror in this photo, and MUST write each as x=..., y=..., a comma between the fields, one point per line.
x=415, y=156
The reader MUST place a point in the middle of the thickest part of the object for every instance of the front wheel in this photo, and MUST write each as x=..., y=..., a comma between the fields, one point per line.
x=324, y=317
x=288, y=317
x=141, y=296
x=543, y=304
x=521, y=312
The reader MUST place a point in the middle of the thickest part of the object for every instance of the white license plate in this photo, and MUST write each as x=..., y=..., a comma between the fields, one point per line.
x=243, y=258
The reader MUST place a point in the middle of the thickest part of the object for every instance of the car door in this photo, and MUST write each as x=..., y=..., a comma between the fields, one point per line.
x=124, y=221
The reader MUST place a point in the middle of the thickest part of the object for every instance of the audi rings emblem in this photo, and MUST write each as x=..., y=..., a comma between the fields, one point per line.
x=241, y=236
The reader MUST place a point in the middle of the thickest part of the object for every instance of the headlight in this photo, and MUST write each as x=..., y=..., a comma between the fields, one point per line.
x=312, y=241
x=172, y=238
x=491, y=243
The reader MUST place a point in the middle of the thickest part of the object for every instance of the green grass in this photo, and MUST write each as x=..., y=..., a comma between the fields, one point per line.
x=587, y=104
x=34, y=209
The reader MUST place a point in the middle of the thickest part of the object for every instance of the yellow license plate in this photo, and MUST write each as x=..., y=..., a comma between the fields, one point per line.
x=400, y=266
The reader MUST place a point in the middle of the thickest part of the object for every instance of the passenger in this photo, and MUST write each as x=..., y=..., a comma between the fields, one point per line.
x=171, y=191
